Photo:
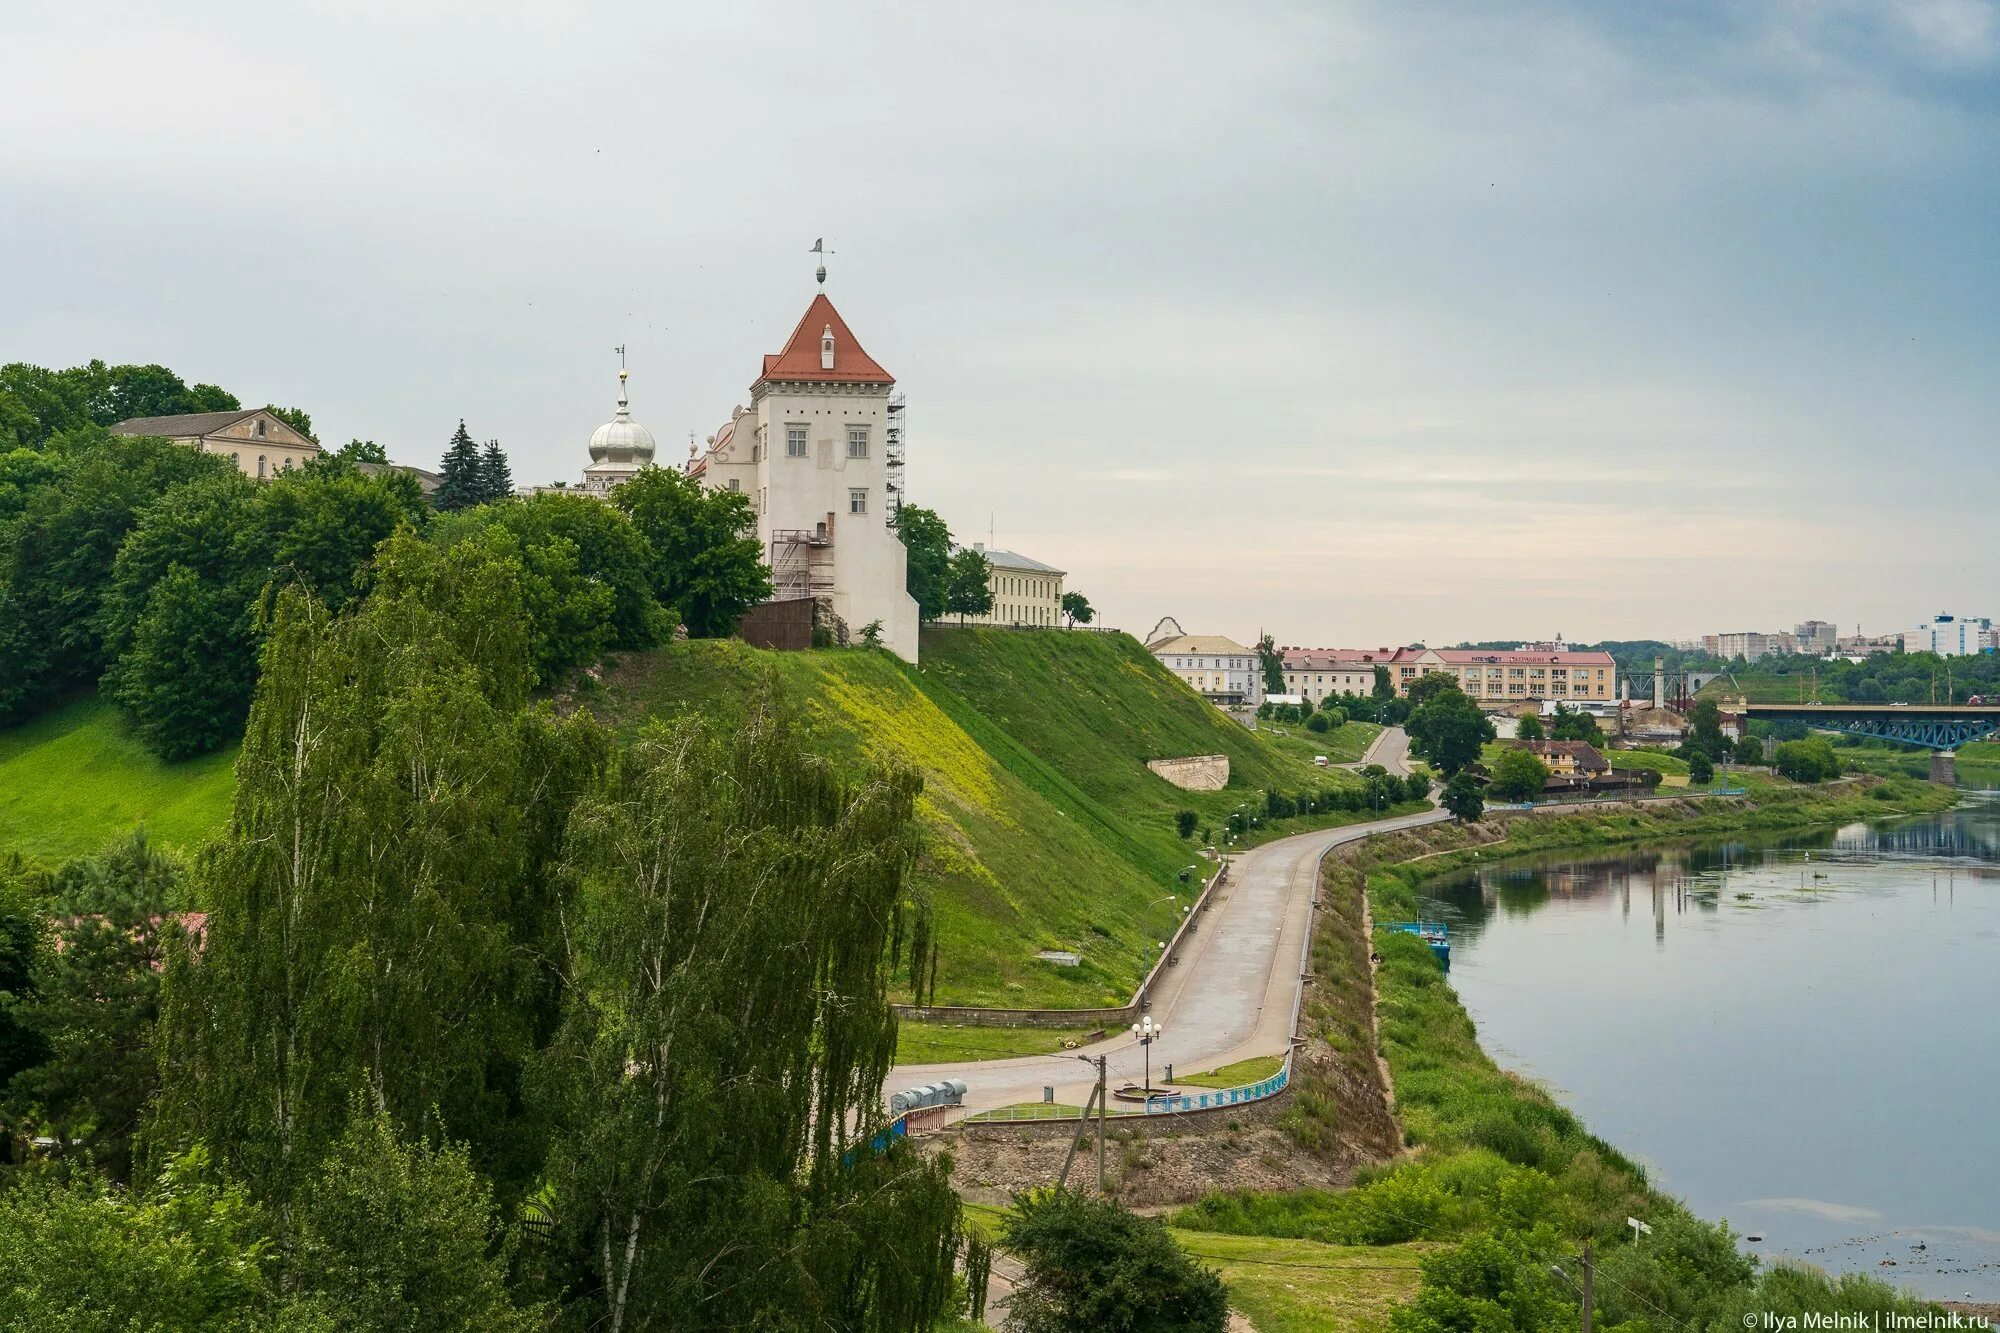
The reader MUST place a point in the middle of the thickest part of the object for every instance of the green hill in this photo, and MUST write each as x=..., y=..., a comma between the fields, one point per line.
x=75, y=779
x=1046, y=830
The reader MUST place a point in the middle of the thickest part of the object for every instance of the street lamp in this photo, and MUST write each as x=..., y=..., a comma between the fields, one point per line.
x=1148, y=1032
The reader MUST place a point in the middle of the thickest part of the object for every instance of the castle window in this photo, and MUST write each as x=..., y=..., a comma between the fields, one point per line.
x=735, y=484
x=857, y=502
x=260, y=467
x=795, y=441
x=260, y=428
x=857, y=441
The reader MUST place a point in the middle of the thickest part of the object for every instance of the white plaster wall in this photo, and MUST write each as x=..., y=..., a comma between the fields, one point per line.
x=868, y=559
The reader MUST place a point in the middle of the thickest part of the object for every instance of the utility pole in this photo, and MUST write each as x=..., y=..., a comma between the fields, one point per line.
x=1589, y=1271
x=1098, y=1099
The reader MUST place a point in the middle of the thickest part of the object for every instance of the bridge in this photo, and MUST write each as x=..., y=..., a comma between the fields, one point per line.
x=1939, y=727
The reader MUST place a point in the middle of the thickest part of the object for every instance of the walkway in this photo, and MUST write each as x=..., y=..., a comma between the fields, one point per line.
x=1232, y=993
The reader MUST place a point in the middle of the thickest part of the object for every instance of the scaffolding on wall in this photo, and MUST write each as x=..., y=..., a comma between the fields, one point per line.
x=801, y=562
x=893, y=443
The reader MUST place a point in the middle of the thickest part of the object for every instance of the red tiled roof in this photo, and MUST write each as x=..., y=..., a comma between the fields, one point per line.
x=800, y=359
x=1521, y=657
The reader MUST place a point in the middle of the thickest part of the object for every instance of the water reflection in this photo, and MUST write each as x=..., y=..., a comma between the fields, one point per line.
x=1769, y=1023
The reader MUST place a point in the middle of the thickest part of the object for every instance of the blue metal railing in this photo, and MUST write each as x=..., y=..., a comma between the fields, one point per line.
x=1175, y=1103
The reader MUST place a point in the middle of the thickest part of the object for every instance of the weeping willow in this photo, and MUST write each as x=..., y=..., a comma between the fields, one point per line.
x=718, y=1074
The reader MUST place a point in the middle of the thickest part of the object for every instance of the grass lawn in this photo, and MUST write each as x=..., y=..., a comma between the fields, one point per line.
x=939, y=1043
x=1344, y=745
x=75, y=780
x=1302, y=1286
x=1256, y=1068
x=1286, y=1285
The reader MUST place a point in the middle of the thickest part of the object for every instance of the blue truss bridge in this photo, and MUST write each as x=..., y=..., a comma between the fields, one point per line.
x=1942, y=727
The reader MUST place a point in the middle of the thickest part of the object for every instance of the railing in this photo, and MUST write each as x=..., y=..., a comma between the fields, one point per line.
x=1176, y=1103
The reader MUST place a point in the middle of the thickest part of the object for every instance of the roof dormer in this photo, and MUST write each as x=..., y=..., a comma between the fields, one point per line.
x=826, y=349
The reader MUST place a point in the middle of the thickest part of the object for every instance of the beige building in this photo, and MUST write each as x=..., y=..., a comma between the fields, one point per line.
x=1315, y=673
x=1514, y=675
x=1219, y=669
x=1025, y=592
x=256, y=439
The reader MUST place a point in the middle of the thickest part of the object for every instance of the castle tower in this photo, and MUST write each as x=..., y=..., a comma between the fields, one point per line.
x=813, y=453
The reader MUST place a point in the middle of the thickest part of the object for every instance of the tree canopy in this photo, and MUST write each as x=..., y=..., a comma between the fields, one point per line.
x=1518, y=775
x=1077, y=608
x=1447, y=729
x=968, y=584
x=706, y=566
x=927, y=567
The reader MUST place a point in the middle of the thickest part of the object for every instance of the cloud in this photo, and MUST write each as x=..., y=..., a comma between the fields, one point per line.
x=1358, y=321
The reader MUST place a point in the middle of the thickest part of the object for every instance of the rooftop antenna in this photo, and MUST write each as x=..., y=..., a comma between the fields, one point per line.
x=819, y=248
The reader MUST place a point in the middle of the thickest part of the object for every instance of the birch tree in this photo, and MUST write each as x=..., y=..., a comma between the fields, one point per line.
x=718, y=1075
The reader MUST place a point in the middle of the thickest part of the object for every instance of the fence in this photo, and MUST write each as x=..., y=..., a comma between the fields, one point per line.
x=1163, y=1104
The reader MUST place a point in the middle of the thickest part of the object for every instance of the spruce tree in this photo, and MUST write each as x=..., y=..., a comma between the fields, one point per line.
x=494, y=472
x=464, y=483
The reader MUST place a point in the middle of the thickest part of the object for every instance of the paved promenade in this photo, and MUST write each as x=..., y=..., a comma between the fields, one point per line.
x=1229, y=997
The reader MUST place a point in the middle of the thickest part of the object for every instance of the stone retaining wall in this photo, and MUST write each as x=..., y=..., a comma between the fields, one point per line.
x=1201, y=772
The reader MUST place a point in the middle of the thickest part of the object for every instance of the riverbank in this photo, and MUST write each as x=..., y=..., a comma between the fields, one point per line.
x=1492, y=1162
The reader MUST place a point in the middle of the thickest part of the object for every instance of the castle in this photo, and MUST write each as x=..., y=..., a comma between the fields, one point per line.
x=819, y=452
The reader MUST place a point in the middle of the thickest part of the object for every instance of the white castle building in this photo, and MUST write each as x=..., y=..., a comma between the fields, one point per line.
x=819, y=453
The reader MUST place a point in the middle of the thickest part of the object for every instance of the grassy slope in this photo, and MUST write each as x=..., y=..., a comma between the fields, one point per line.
x=1097, y=707
x=1046, y=829
x=74, y=780
x=1288, y=1285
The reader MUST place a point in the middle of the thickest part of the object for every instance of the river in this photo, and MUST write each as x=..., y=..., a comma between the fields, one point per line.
x=1799, y=1035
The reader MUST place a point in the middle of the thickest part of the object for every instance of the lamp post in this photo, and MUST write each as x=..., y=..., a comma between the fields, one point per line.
x=1148, y=1032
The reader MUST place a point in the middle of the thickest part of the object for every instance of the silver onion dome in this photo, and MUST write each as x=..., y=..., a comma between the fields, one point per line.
x=621, y=439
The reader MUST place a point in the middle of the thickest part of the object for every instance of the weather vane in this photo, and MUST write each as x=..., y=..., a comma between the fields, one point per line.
x=620, y=349
x=819, y=248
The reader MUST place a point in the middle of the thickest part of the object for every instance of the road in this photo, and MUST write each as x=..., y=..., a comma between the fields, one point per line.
x=1229, y=998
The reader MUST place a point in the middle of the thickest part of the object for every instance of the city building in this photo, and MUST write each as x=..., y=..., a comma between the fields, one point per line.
x=1025, y=592
x=1489, y=675
x=1746, y=644
x=256, y=439
x=1219, y=669
x=1517, y=675
x=1315, y=673
x=1818, y=637
x=1566, y=758
x=819, y=452
x=1949, y=636
x=1993, y=639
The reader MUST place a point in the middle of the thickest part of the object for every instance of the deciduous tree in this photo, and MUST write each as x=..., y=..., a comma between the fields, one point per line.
x=927, y=566
x=1077, y=609
x=969, y=585
x=1518, y=775
x=707, y=566
x=1448, y=729
x=726, y=1034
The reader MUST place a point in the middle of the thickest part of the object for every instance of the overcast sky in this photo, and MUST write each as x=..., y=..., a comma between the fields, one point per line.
x=1357, y=322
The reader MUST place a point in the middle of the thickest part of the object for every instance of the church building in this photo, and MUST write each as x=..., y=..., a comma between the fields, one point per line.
x=819, y=453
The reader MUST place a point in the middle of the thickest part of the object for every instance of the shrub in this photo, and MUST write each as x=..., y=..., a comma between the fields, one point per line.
x=1318, y=723
x=1089, y=1263
x=1701, y=769
x=1811, y=760
x=1184, y=822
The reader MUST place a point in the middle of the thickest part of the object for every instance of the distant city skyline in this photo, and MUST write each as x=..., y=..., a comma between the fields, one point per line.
x=1384, y=322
